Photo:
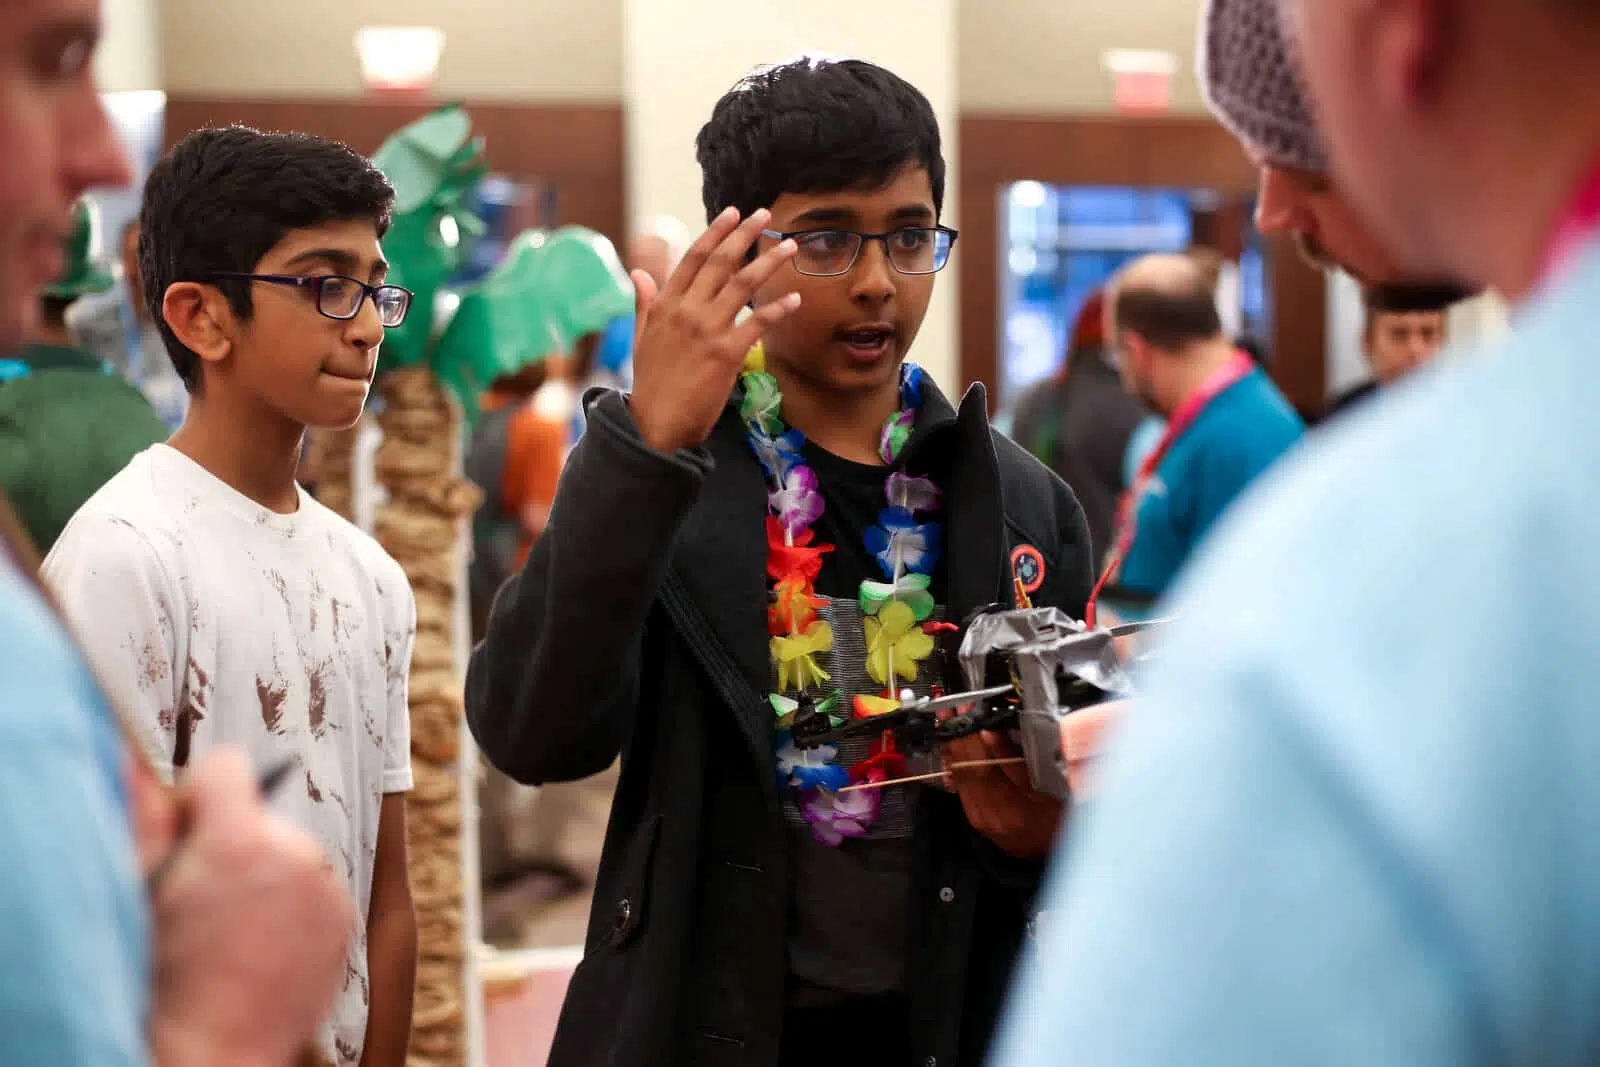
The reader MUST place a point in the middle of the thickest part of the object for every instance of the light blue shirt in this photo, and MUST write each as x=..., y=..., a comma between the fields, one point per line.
x=73, y=928
x=1356, y=820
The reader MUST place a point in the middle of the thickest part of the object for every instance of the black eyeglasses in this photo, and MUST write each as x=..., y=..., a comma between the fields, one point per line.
x=912, y=250
x=338, y=296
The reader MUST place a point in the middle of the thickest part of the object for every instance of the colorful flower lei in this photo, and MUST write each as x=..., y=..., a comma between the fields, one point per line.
x=896, y=610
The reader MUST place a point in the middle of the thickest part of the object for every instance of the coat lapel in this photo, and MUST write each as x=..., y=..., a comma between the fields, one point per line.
x=975, y=525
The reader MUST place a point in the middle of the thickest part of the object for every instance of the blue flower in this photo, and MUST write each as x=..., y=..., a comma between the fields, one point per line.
x=778, y=455
x=911, y=377
x=900, y=539
x=807, y=768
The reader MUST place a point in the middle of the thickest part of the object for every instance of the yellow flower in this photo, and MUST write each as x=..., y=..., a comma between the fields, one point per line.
x=755, y=360
x=796, y=654
x=893, y=637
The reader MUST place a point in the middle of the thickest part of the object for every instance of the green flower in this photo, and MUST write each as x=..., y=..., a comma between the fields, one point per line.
x=761, y=402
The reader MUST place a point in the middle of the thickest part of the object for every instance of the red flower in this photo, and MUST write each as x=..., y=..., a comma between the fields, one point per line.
x=801, y=559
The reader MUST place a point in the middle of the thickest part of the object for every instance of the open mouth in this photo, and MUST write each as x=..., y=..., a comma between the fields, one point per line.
x=867, y=342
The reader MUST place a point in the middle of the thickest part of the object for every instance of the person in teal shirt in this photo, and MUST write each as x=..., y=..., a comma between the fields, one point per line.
x=1355, y=816
x=1225, y=421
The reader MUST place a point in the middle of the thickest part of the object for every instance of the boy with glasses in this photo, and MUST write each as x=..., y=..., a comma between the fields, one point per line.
x=237, y=609
x=758, y=533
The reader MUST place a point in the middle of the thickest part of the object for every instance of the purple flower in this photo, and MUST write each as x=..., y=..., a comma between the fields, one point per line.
x=911, y=494
x=797, y=502
x=836, y=816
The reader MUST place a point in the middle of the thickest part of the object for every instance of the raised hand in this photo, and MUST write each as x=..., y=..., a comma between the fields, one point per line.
x=689, y=346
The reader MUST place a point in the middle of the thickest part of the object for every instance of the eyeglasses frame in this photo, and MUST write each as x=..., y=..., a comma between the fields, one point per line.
x=784, y=235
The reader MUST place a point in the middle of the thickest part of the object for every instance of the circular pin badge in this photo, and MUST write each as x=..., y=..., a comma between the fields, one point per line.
x=1027, y=567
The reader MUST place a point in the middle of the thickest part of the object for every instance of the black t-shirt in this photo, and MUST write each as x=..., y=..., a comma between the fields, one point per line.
x=850, y=903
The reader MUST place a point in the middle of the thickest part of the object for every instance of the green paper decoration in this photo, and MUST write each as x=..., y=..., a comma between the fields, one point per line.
x=550, y=289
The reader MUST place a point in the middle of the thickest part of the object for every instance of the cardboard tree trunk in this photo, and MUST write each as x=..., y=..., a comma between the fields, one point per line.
x=420, y=526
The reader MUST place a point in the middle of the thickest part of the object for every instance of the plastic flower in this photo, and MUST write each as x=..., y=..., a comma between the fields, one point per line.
x=867, y=706
x=755, y=361
x=761, y=401
x=801, y=768
x=900, y=543
x=836, y=816
x=896, y=432
x=796, y=655
x=911, y=379
x=911, y=494
x=885, y=761
x=797, y=501
x=777, y=455
x=895, y=640
x=794, y=606
x=801, y=559
x=911, y=590
x=783, y=706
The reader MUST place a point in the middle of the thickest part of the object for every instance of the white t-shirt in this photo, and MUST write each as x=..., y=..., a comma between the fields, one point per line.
x=288, y=636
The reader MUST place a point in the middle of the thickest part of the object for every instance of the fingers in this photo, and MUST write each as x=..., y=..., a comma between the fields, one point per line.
x=747, y=333
x=644, y=294
x=688, y=269
x=999, y=747
x=740, y=289
x=727, y=259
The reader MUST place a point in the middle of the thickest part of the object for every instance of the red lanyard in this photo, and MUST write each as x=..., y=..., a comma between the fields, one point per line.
x=1230, y=373
x=1577, y=226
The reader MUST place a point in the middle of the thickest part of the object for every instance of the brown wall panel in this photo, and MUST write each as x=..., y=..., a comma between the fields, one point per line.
x=577, y=148
x=1172, y=152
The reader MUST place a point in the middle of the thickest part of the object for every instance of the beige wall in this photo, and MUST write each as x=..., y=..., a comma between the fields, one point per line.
x=1036, y=56
x=548, y=50
x=1044, y=56
x=129, y=56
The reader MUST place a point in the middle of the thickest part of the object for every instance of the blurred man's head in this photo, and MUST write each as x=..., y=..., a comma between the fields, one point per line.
x=1460, y=129
x=656, y=247
x=1252, y=83
x=1163, y=327
x=1403, y=330
x=55, y=143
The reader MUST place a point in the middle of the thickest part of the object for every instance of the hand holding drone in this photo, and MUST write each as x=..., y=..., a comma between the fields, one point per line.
x=1025, y=670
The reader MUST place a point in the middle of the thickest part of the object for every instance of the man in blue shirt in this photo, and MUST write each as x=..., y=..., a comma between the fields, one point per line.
x=232, y=953
x=1225, y=420
x=1356, y=818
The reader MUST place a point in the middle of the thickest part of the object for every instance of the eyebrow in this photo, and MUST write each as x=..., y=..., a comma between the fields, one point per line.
x=342, y=261
x=833, y=216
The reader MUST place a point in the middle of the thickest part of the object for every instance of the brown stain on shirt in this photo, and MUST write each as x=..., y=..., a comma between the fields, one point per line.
x=318, y=711
x=272, y=695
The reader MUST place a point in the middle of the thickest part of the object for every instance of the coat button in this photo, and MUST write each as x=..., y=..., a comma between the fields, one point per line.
x=947, y=894
x=624, y=910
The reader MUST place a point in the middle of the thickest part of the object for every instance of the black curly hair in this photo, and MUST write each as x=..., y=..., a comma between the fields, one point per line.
x=815, y=125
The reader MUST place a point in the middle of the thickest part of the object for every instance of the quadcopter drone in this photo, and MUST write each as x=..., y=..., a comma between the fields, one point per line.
x=1024, y=669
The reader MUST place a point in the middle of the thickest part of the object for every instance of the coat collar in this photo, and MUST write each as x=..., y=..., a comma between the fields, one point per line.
x=720, y=555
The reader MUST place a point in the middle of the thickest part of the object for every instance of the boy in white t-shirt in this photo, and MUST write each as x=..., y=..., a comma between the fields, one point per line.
x=233, y=606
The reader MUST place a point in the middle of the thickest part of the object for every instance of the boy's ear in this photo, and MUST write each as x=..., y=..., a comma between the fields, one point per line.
x=200, y=317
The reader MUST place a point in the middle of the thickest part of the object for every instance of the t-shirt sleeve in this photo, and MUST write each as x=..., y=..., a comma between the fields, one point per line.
x=117, y=597
x=399, y=640
x=74, y=934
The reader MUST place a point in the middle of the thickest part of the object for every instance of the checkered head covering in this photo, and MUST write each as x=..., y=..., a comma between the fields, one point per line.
x=1249, y=81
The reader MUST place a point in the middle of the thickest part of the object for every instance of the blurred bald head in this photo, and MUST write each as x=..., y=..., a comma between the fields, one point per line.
x=1163, y=326
x=1168, y=300
x=657, y=245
